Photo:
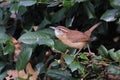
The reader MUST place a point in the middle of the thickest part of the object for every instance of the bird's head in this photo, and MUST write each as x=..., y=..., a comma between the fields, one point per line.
x=60, y=30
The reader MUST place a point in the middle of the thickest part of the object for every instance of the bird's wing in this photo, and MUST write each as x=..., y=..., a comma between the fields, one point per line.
x=78, y=37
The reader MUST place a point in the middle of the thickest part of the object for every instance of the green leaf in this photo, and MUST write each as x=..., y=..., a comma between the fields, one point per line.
x=68, y=3
x=68, y=59
x=53, y=4
x=118, y=55
x=58, y=16
x=57, y=74
x=55, y=63
x=96, y=68
x=89, y=10
x=47, y=41
x=14, y=8
x=83, y=56
x=2, y=29
x=115, y=3
x=2, y=65
x=115, y=55
x=103, y=51
x=41, y=68
x=23, y=58
x=44, y=23
x=74, y=66
x=1, y=0
x=112, y=54
x=27, y=2
x=69, y=22
x=3, y=75
x=38, y=37
x=4, y=38
x=103, y=28
x=114, y=69
x=22, y=10
x=9, y=49
x=109, y=15
x=82, y=69
x=48, y=31
x=1, y=13
x=80, y=0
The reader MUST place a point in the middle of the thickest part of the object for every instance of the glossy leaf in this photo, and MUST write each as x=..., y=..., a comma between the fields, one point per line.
x=41, y=68
x=95, y=68
x=115, y=55
x=27, y=3
x=3, y=75
x=118, y=55
x=2, y=65
x=68, y=3
x=89, y=10
x=82, y=69
x=48, y=31
x=4, y=37
x=14, y=8
x=36, y=38
x=44, y=23
x=103, y=51
x=115, y=3
x=9, y=49
x=22, y=10
x=1, y=0
x=58, y=16
x=81, y=0
x=1, y=13
x=55, y=63
x=68, y=59
x=58, y=74
x=74, y=66
x=23, y=58
x=69, y=22
x=109, y=15
x=114, y=69
x=2, y=29
x=53, y=4
x=83, y=56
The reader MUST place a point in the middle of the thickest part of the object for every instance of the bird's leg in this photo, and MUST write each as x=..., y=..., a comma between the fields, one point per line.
x=89, y=48
x=77, y=52
x=66, y=51
x=90, y=53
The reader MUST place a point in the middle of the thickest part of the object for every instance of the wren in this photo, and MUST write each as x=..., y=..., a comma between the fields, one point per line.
x=73, y=38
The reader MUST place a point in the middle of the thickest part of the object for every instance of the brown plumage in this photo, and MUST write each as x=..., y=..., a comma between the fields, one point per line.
x=74, y=38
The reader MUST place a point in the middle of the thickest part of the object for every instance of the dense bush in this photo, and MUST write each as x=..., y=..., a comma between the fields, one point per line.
x=29, y=49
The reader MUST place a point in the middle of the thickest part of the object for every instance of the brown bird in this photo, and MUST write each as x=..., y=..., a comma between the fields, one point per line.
x=73, y=38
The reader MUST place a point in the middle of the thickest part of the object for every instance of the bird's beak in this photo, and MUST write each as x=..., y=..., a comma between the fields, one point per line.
x=52, y=27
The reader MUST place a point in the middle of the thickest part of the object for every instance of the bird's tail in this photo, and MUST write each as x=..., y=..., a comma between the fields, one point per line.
x=88, y=32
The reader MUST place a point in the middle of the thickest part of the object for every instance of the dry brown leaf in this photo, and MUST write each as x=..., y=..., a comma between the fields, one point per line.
x=18, y=46
x=31, y=71
x=14, y=74
x=22, y=74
